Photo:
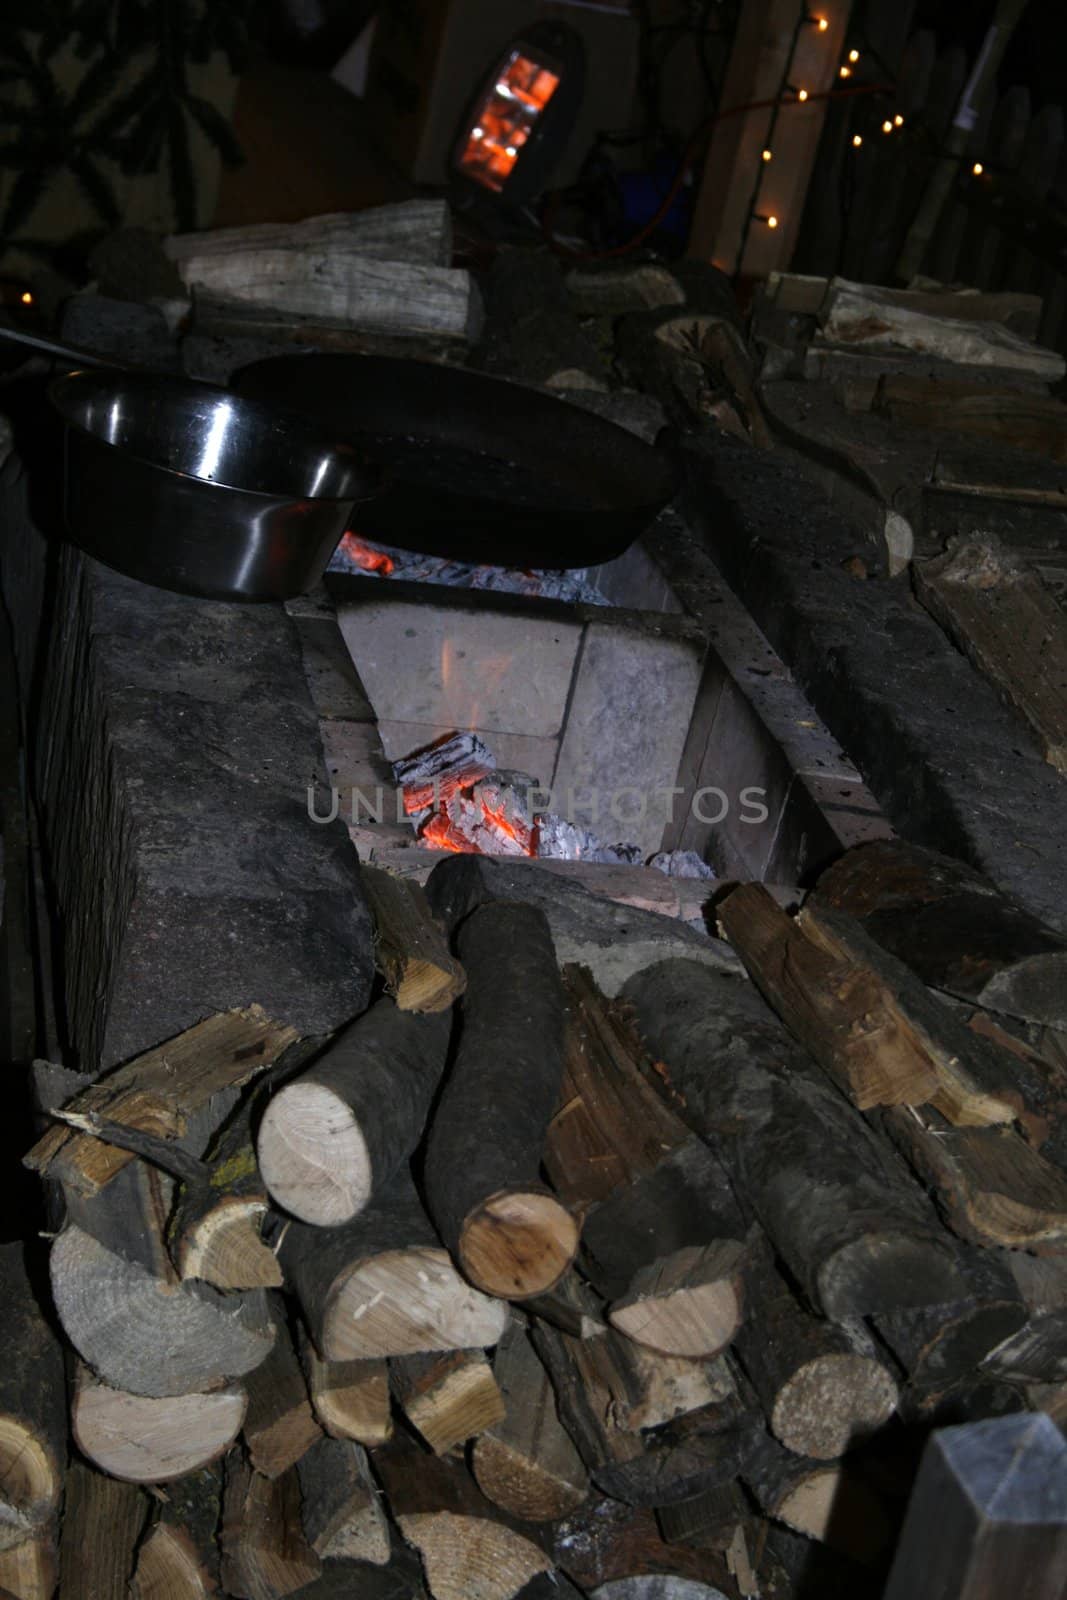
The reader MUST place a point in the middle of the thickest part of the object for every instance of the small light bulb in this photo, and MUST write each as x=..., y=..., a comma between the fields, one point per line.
x=857, y=139
x=977, y=169
x=802, y=94
x=853, y=55
x=898, y=121
x=26, y=297
x=768, y=155
x=846, y=72
x=822, y=24
x=887, y=126
x=772, y=222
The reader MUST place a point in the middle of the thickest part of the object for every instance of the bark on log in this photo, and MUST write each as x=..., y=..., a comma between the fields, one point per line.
x=264, y=1552
x=148, y=1335
x=824, y=1500
x=336, y=1134
x=103, y=1521
x=349, y=1398
x=179, y=1557
x=151, y=1105
x=411, y=230
x=33, y=1406
x=511, y=1236
x=470, y=1549
x=400, y=1580
x=1037, y=1353
x=151, y=1441
x=527, y=1463
x=821, y=1385
x=411, y=950
x=384, y=1286
x=607, y=1540
x=939, y=1345
x=279, y=1426
x=852, y=1226
x=867, y=1021
x=343, y=1516
x=447, y=1398
x=953, y=927
x=705, y=1520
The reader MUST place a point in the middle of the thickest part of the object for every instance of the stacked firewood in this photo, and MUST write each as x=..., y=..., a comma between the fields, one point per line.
x=508, y=1289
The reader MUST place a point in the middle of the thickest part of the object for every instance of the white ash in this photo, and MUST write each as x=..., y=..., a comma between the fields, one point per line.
x=680, y=864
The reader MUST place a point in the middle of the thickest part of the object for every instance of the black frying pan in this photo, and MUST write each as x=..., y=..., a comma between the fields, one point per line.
x=477, y=468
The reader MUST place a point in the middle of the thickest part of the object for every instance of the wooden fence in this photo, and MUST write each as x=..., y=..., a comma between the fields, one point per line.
x=1003, y=228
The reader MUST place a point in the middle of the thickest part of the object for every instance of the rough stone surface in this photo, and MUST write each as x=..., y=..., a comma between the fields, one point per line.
x=175, y=742
x=952, y=767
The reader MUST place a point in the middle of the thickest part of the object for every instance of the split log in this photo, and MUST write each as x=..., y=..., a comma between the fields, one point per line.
x=264, y=1552
x=823, y=1500
x=511, y=1236
x=1037, y=1353
x=150, y=1440
x=410, y=949
x=606, y=1540
x=939, y=1345
x=843, y=1213
x=336, y=1134
x=997, y=611
x=953, y=927
x=992, y=1187
x=988, y=1515
x=821, y=1385
x=279, y=1426
x=865, y=1018
x=349, y=1398
x=216, y=1230
x=1024, y=421
x=527, y=1463
x=179, y=1557
x=103, y=1521
x=410, y=230
x=28, y=1570
x=384, y=1286
x=695, y=1451
x=150, y=1106
x=661, y=1226
x=343, y=1516
x=863, y=320
x=447, y=1397
x=33, y=1407
x=148, y=1335
x=470, y=1549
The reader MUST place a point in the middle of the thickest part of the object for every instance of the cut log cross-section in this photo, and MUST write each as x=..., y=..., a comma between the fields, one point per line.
x=179, y=1558
x=216, y=1232
x=510, y=1234
x=33, y=1408
x=384, y=1285
x=447, y=1398
x=334, y=1135
x=343, y=1515
x=147, y=1440
x=349, y=1398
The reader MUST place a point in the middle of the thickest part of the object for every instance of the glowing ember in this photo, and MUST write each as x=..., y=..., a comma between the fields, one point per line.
x=439, y=834
x=366, y=556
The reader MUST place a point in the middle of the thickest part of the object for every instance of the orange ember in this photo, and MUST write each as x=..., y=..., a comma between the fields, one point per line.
x=505, y=120
x=439, y=834
x=366, y=556
x=500, y=820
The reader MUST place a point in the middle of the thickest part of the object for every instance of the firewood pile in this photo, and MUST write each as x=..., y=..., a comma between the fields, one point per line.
x=510, y=1289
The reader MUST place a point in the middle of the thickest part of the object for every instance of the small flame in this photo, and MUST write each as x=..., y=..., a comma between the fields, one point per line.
x=366, y=556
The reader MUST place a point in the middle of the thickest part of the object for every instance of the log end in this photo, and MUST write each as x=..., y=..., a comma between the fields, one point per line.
x=831, y=1402
x=227, y=1250
x=406, y=1302
x=522, y=1487
x=313, y=1157
x=145, y=1440
x=518, y=1243
x=30, y=1482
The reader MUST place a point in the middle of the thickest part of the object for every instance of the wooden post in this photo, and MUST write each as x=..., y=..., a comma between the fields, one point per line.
x=988, y=1514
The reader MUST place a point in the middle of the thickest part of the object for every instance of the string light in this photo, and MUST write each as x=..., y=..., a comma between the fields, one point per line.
x=978, y=169
x=802, y=95
x=898, y=121
x=887, y=126
x=853, y=56
x=846, y=72
x=771, y=220
x=820, y=23
x=857, y=139
x=768, y=155
x=26, y=297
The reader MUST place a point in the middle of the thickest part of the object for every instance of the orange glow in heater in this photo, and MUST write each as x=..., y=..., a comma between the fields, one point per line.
x=505, y=120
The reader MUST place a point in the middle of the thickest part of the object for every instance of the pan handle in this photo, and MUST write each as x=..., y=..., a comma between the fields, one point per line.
x=55, y=348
